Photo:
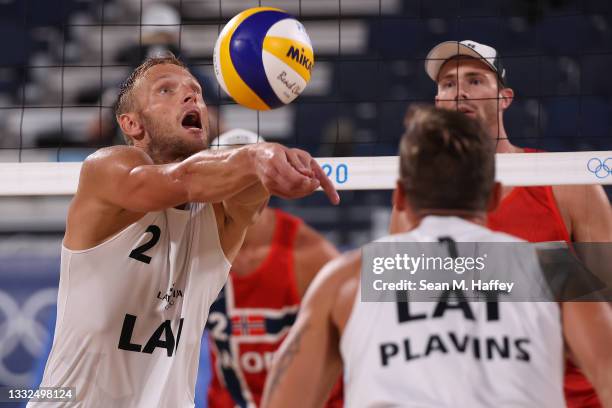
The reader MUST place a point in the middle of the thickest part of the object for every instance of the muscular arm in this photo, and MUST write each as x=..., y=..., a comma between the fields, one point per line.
x=118, y=185
x=308, y=363
x=589, y=215
x=125, y=178
x=587, y=328
x=240, y=211
x=236, y=214
x=588, y=210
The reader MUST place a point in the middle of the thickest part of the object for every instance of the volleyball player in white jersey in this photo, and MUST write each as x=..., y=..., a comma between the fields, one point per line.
x=435, y=354
x=149, y=239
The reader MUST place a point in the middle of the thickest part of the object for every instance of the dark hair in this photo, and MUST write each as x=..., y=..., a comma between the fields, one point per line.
x=124, y=101
x=447, y=160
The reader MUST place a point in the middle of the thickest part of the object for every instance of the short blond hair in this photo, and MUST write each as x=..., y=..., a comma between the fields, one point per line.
x=125, y=102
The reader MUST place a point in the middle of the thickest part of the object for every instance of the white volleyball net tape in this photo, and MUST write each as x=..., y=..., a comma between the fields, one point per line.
x=366, y=75
x=350, y=173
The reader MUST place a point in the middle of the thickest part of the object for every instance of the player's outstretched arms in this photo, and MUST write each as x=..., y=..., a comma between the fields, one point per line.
x=587, y=328
x=308, y=363
x=127, y=178
x=288, y=173
x=119, y=184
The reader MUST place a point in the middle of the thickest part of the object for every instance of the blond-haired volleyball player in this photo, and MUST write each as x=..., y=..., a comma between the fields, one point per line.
x=149, y=239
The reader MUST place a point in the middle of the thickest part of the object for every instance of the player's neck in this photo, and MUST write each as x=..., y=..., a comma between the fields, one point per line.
x=502, y=144
x=475, y=217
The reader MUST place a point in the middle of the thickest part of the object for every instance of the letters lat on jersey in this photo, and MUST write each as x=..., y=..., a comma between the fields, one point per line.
x=169, y=342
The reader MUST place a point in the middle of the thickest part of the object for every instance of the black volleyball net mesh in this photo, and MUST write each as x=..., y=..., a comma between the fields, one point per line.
x=61, y=63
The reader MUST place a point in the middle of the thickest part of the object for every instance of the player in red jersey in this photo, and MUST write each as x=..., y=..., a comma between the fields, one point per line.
x=471, y=79
x=259, y=303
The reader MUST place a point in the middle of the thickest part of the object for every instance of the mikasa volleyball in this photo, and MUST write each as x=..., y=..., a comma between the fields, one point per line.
x=263, y=58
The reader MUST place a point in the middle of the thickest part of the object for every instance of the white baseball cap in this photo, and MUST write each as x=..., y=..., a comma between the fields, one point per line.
x=235, y=138
x=449, y=49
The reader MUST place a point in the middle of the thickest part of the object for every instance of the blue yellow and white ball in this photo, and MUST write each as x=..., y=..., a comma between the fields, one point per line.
x=263, y=58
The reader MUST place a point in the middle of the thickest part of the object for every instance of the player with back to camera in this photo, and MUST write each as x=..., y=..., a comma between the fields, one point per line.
x=255, y=309
x=150, y=235
x=470, y=78
x=423, y=359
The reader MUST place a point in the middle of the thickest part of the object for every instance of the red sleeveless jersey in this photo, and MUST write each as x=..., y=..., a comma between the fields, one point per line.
x=249, y=320
x=531, y=213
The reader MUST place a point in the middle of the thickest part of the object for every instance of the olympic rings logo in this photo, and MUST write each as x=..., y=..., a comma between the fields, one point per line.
x=600, y=168
x=21, y=326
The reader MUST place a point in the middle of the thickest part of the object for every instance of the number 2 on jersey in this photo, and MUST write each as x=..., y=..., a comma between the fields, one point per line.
x=138, y=253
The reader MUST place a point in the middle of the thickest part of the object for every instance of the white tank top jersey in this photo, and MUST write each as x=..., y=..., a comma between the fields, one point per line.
x=131, y=312
x=511, y=359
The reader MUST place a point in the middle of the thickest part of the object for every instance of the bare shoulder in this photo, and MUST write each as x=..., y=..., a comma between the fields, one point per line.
x=579, y=195
x=104, y=170
x=588, y=210
x=93, y=215
x=333, y=290
x=341, y=268
x=114, y=158
x=347, y=289
x=333, y=283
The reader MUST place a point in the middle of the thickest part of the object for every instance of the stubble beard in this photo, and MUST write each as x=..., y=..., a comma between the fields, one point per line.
x=165, y=146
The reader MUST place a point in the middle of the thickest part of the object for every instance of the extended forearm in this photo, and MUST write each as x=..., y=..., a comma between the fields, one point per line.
x=217, y=176
x=244, y=207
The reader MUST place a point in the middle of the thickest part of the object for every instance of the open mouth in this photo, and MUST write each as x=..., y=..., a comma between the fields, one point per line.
x=465, y=109
x=192, y=120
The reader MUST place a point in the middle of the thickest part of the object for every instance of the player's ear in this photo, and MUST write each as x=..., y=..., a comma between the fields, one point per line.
x=507, y=96
x=131, y=126
x=495, y=197
x=399, y=197
x=399, y=219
